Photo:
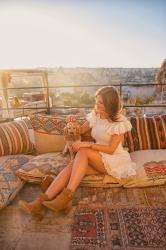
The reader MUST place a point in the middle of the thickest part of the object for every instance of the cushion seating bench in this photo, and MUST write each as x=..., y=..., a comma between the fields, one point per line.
x=33, y=148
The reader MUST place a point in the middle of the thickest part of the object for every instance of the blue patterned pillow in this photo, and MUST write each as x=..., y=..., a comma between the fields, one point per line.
x=50, y=163
x=10, y=184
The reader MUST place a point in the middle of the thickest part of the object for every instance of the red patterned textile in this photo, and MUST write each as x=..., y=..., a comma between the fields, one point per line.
x=119, y=228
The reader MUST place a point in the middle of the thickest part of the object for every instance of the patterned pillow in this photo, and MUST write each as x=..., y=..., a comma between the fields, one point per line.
x=50, y=163
x=14, y=138
x=146, y=133
x=10, y=184
x=48, y=132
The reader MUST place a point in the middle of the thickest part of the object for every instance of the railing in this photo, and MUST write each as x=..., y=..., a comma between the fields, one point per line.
x=47, y=89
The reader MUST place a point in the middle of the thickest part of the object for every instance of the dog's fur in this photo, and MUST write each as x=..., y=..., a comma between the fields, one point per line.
x=72, y=134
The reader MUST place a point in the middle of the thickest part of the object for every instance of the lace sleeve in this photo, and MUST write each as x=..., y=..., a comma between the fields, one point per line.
x=91, y=118
x=119, y=127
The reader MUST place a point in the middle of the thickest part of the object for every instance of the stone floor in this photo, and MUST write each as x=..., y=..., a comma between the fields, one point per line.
x=18, y=231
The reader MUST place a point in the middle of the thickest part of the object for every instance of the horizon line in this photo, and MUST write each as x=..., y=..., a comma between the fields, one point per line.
x=76, y=67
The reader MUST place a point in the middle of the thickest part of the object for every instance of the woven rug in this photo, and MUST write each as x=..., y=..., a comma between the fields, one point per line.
x=123, y=228
x=122, y=197
x=120, y=219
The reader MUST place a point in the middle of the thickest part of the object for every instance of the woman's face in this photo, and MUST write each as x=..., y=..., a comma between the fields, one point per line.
x=99, y=104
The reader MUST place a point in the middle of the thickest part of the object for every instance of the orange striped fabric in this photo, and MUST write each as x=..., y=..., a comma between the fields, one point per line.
x=14, y=138
x=146, y=133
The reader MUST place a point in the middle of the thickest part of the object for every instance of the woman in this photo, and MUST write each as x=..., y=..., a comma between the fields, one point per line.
x=105, y=156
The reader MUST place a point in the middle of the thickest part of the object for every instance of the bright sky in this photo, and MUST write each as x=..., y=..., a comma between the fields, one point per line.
x=82, y=33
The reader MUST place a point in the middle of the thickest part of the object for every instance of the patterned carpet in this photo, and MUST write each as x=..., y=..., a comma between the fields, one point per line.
x=128, y=219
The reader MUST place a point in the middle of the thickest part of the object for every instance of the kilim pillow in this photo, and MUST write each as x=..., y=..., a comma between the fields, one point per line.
x=36, y=168
x=14, y=138
x=10, y=184
x=48, y=132
x=146, y=133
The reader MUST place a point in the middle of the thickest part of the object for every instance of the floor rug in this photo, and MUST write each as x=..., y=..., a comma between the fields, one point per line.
x=122, y=197
x=119, y=228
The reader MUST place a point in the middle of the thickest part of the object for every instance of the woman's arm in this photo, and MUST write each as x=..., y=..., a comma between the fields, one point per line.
x=109, y=149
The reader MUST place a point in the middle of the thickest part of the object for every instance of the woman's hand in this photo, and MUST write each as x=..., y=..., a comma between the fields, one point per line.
x=71, y=118
x=77, y=145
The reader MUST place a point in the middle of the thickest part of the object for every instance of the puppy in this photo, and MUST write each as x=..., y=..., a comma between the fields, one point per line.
x=72, y=134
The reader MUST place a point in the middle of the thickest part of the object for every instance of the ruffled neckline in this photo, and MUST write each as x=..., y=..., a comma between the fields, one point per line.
x=122, y=118
x=103, y=119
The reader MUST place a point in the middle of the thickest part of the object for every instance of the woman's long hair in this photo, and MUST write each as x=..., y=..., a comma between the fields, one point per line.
x=111, y=100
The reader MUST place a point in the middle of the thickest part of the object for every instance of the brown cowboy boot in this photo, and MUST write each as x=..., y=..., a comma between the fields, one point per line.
x=35, y=207
x=46, y=182
x=62, y=203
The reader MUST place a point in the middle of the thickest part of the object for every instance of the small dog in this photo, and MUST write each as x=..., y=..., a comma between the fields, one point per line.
x=72, y=134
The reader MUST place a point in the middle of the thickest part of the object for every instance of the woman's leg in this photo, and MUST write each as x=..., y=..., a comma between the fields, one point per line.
x=79, y=169
x=35, y=207
x=83, y=159
x=60, y=181
x=71, y=177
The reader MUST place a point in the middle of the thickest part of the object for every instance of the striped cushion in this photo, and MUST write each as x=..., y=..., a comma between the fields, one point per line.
x=14, y=138
x=146, y=133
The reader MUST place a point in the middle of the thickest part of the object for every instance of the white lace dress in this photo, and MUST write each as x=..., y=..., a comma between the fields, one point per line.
x=119, y=163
